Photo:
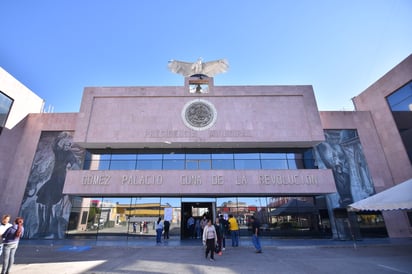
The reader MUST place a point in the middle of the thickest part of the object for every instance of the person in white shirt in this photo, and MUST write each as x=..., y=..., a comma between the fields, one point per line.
x=159, y=230
x=3, y=227
x=210, y=239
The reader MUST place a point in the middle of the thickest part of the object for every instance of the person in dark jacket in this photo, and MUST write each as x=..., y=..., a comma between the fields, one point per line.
x=219, y=234
x=11, y=240
x=255, y=234
x=166, y=225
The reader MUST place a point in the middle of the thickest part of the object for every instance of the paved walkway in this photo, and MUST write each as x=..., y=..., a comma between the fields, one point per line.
x=175, y=256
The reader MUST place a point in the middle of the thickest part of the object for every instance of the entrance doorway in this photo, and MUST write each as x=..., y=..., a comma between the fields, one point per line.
x=196, y=210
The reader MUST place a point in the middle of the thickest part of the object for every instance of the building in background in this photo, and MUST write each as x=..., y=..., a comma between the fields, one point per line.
x=135, y=153
x=389, y=102
x=16, y=101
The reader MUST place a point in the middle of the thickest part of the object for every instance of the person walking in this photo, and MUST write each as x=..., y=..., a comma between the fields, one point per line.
x=5, y=224
x=11, y=238
x=255, y=234
x=159, y=230
x=166, y=224
x=209, y=239
x=198, y=229
x=225, y=228
x=234, y=230
x=219, y=234
x=191, y=227
x=203, y=223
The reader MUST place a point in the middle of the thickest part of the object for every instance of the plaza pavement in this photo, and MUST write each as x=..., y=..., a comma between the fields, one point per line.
x=175, y=256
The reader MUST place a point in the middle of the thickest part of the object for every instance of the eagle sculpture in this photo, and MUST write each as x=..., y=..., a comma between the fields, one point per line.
x=199, y=67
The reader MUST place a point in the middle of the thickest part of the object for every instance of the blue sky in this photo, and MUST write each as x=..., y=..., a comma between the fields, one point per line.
x=56, y=48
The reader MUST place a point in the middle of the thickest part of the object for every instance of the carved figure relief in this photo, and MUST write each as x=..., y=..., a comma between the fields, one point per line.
x=45, y=209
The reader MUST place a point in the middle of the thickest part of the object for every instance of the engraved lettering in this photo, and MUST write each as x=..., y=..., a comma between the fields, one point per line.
x=142, y=180
x=230, y=133
x=241, y=180
x=287, y=180
x=217, y=180
x=96, y=180
x=311, y=180
x=170, y=133
x=190, y=180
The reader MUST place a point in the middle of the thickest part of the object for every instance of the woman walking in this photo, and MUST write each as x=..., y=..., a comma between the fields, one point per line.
x=210, y=239
x=10, y=243
x=159, y=230
x=3, y=227
x=219, y=234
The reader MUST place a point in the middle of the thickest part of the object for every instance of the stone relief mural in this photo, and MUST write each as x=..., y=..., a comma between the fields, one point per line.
x=44, y=208
x=342, y=152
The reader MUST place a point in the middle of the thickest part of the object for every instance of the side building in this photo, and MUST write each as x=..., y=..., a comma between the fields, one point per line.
x=389, y=102
x=132, y=154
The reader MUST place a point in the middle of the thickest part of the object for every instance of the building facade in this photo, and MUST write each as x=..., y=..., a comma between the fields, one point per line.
x=132, y=154
x=16, y=101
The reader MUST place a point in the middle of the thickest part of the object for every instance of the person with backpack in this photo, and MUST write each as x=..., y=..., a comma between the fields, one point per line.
x=11, y=240
x=3, y=227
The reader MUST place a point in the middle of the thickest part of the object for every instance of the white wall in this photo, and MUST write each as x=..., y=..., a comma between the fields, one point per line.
x=25, y=101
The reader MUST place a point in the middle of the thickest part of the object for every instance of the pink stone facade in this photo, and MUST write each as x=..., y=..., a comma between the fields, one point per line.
x=246, y=117
x=17, y=149
x=397, y=163
x=373, y=99
x=363, y=123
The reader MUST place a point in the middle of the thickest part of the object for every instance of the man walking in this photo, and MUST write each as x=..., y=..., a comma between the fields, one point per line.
x=255, y=234
x=225, y=230
x=191, y=227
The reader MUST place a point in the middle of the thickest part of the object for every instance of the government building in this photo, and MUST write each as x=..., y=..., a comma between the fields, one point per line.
x=132, y=154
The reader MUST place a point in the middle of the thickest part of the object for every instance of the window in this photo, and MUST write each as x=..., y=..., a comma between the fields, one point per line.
x=247, y=161
x=274, y=160
x=123, y=162
x=400, y=103
x=198, y=161
x=295, y=161
x=222, y=161
x=195, y=159
x=174, y=161
x=149, y=161
x=96, y=161
x=5, y=106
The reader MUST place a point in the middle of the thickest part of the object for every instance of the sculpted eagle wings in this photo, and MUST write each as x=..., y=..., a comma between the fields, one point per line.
x=210, y=68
